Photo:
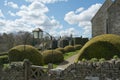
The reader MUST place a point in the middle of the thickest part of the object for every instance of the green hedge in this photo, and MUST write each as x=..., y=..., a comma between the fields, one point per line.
x=52, y=56
x=69, y=48
x=103, y=46
x=3, y=59
x=78, y=47
x=61, y=50
x=21, y=52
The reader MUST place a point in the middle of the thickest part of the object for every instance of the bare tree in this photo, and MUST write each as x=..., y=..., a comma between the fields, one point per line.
x=23, y=38
x=9, y=40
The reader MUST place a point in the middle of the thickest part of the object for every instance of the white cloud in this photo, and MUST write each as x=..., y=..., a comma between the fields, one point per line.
x=79, y=10
x=71, y=18
x=66, y=32
x=69, y=31
x=35, y=14
x=30, y=17
x=13, y=26
x=11, y=4
x=1, y=14
x=82, y=17
x=11, y=13
x=47, y=1
x=34, y=10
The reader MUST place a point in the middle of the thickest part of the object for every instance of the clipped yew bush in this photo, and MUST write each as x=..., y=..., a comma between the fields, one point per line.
x=52, y=56
x=61, y=50
x=3, y=59
x=21, y=52
x=102, y=46
x=69, y=48
x=78, y=47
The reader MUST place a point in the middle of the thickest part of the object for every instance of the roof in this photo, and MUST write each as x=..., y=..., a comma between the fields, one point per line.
x=102, y=7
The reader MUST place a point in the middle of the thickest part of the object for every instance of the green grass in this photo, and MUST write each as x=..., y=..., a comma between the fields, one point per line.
x=70, y=54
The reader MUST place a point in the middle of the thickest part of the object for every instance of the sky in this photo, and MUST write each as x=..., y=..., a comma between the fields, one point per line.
x=57, y=17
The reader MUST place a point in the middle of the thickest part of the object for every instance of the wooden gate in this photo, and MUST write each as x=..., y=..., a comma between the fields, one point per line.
x=33, y=72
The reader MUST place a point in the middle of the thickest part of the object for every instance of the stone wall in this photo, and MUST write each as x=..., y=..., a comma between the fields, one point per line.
x=100, y=19
x=114, y=18
x=107, y=19
x=108, y=70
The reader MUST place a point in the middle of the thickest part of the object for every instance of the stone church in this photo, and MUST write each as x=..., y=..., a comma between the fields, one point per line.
x=107, y=19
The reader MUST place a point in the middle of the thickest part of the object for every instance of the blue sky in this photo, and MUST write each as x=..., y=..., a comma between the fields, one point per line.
x=57, y=17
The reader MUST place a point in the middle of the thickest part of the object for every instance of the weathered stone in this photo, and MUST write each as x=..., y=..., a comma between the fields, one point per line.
x=107, y=20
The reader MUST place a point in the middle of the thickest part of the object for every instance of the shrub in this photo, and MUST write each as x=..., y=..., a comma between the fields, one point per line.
x=78, y=47
x=61, y=50
x=93, y=60
x=69, y=48
x=102, y=60
x=52, y=56
x=103, y=46
x=6, y=67
x=3, y=59
x=21, y=52
x=84, y=60
x=115, y=57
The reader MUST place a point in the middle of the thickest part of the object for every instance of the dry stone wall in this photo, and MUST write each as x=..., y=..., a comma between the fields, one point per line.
x=108, y=70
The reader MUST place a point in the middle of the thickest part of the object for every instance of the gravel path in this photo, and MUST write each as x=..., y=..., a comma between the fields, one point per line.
x=68, y=62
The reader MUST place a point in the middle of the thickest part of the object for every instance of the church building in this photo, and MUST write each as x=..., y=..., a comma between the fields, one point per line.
x=107, y=19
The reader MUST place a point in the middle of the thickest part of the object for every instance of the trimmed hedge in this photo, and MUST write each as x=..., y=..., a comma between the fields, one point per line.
x=21, y=52
x=61, y=50
x=52, y=56
x=4, y=59
x=78, y=47
x=103, y=46
x=69, y=48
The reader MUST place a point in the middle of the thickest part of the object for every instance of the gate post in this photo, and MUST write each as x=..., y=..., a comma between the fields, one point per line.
x=26, y=69
x=50, y=66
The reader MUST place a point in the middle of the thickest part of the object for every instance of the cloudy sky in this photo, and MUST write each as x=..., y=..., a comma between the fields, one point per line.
x=57, y=17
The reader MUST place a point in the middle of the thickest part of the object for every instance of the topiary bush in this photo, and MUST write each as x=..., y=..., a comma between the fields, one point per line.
x=21, y=52
x=69, y=48
x=3, y=59
x=78, y=47
x=52, y=56
x=61, y=50
x=103, y=46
